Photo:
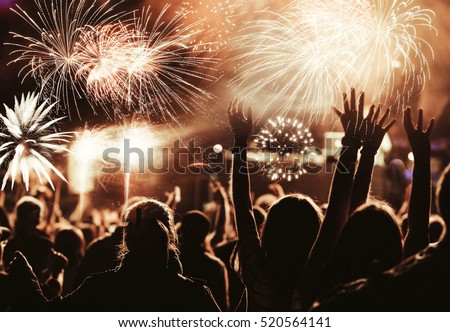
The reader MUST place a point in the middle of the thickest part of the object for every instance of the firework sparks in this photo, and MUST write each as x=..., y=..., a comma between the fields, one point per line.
x=28, y=141
x=52, y=58
x=216, y=22
x=103, y=57
x=146, y=67
x=283, y=143
x=302, y=58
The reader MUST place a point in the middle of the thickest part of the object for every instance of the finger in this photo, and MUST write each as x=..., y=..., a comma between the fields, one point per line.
x=337, y=112
x=407, y=121
x=365, y=126
x=233, y=108
x=385, y=117
x=377, y=114
x=353, y=99
x=369, y=118
x=430, y=126
x=346, y=103
x=241, y=108
x=420, y=120
x=250, y=115
x=361, y=105
x=389, y=126
x=371, y=113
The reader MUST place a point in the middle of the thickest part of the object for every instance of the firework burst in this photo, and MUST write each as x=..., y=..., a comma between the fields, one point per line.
x=28, y=141
x=302, y=58
x=149, y=68
x=283, y=144
x=52, y=58
x=104, y=57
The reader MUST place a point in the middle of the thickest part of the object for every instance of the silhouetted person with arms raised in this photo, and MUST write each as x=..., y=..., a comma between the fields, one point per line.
x=371, y=240
x=338, y=210
x=420, y=283
x=269, y=267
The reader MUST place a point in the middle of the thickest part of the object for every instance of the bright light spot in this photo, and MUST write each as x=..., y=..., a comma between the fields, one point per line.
x=218, y=148
x=396, y=64
x=411, y=156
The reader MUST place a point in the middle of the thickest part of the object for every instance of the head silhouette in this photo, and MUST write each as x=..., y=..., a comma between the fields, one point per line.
x=260, y=217
x=194, y=228
x=371, y=241
x=70, y=243
x=291, y=227
x=149, y=234
x=133, y=200
x=28, y=215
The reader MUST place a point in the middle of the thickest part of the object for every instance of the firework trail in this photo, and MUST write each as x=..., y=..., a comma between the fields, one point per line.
x=52, y=59
x=283, y=143
x=28, y=141
x=302, y=58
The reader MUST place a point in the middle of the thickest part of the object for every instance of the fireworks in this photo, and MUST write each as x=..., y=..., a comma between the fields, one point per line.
x=302, y=58
x=283, y=143
x=145, y=68
x=28, y=141
x=114, y=61
x=216, y=22
x=52, y=58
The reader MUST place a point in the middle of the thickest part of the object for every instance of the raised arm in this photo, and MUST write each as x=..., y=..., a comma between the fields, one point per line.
x=372, y=142
x=241, y=126
x=174, y=198
x=222, y=215
x=419, y=204
x=339, y=199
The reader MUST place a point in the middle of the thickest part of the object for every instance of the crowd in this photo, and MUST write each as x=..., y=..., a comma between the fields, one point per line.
x=280, y=252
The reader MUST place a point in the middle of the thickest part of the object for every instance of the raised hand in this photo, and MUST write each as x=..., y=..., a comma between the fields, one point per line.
x=173, y=197
x=352, y=119
x=241, y=124
x=376, y=129
x=419, y=140
x=420, y=201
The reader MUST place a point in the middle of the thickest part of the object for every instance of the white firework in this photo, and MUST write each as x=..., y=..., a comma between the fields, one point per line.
x=301, y=58
x=51, y=57
x=28, y=141
x=283, y=144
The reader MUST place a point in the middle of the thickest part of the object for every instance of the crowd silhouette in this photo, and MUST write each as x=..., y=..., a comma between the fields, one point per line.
x=277, y=252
